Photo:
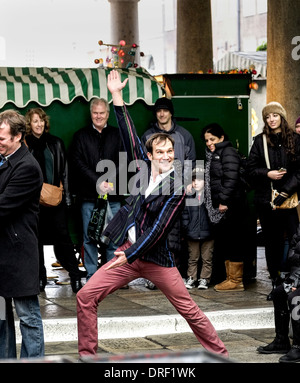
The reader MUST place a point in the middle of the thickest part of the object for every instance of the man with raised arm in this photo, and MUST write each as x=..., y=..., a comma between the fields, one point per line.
x=141, y=229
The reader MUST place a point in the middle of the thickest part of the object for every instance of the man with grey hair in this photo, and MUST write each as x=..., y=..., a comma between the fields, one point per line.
x=95, y=144
x=20, y=187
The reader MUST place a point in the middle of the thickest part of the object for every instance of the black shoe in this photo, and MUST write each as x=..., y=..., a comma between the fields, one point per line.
x=270, y=296
x=278, y=346
x=42, y=285
x=76, y=285
x=293, y=356
x=82, y=273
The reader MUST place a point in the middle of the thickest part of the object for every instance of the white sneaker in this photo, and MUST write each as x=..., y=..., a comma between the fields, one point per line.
x=190, y=283
x=150, y=285
x=203, y=285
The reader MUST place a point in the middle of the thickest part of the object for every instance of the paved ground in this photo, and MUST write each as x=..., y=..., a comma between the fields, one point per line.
x=138, y=321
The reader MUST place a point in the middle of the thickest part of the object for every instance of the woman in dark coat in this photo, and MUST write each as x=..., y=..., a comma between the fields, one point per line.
x=49, y=151
x=225, y=201
x=284, y=154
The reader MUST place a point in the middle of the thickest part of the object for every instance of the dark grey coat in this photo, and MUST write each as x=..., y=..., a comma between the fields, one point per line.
x=195, y=221
x=20, y=187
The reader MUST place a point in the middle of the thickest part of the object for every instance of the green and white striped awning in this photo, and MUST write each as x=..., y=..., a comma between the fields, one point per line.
x=44, y=85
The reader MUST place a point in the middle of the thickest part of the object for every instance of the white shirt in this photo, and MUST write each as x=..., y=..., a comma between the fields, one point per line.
x=152, y=185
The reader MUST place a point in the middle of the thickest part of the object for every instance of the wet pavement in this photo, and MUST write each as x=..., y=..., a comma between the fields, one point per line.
x=137, y=321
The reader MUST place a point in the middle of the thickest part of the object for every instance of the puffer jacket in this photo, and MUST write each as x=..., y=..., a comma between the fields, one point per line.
x=195, y=221
x=225, y=184
x=257, y=168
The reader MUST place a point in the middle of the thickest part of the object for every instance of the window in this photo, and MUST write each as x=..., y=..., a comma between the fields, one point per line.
x=262, y=6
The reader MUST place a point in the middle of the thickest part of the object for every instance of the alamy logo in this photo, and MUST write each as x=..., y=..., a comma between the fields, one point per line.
x=296, y=50
x=132, y=185
x=296, y=309
x=2, y=309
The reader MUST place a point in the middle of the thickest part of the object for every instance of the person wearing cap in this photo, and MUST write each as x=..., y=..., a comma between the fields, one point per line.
x=165, y=122
x=297, y=125
x=185, y=152
x=283, y=145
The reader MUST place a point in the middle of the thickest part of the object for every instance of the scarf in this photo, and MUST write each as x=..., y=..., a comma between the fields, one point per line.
x=37, y=146
x=214, y=214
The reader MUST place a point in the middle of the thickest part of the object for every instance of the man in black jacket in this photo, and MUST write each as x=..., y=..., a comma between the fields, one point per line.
x=20, y=186
x=92, y=144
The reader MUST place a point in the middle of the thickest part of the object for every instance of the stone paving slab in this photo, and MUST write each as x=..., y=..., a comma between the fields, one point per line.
x=241, y=345
x=151, y=308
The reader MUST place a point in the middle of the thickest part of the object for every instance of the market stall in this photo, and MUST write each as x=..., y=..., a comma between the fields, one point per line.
x=64, y=94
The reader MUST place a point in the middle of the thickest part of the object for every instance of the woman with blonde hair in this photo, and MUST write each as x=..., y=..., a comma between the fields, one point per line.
x=50, y=153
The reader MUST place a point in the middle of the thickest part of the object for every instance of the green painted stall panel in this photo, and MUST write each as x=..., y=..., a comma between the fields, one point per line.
x=208, y=84
x=201, y=99
x=195, y=113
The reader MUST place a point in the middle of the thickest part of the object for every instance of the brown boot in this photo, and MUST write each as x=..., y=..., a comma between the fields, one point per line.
x=235, y=281
x=227, y=273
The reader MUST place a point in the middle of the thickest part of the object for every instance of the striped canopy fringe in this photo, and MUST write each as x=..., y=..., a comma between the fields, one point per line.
x=44, y=85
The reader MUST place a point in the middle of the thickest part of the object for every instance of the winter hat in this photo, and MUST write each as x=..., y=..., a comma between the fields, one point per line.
x=297, y=121
x=164, y=103
x=273, y=107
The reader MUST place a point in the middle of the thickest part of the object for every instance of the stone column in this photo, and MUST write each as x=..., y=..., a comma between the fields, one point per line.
x=125, y=24
x=283, y=53
x=194, y=36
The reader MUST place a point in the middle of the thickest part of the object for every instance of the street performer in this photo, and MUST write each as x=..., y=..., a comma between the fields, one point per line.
x=140, y=229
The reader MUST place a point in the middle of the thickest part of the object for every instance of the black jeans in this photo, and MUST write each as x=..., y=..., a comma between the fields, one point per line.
x=277, y=225
x=230, y=236
x=53, y=230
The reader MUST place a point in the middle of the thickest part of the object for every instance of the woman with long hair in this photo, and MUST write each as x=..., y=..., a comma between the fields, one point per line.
x=225, y=200
x=283, y=147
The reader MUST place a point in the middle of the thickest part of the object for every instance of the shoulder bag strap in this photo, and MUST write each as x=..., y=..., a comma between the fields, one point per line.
x=267, y=155
x=266, y=151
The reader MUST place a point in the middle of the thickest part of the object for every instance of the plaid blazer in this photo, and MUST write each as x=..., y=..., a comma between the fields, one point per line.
x=154, y=216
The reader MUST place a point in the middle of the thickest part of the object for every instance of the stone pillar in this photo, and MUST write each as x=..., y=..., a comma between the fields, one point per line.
x=194, y=36
x=283, y=53
x=125, y=24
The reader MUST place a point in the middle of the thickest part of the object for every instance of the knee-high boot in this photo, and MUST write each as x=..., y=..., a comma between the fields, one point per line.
x=293, y=355
x=281, y=343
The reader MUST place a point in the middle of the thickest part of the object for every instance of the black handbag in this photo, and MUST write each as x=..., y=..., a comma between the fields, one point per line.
x=97, y=219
